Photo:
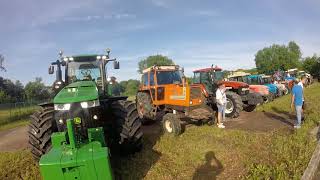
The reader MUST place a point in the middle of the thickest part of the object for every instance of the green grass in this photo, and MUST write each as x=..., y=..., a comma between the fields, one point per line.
x=14, y=124
x=15, y=114
x=208, y=152
x=18, y=165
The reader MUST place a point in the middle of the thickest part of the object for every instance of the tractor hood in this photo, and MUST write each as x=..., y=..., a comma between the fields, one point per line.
x=272, y=88
x=261, y=89
x=235, y=84
x=77, y=92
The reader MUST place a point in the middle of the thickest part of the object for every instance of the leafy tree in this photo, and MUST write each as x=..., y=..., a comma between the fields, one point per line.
x=11, y=92
x=4, y=97
x=36, y=90
x=278, y=57
x=154, y=60
x=312, y=65
x=130, y=87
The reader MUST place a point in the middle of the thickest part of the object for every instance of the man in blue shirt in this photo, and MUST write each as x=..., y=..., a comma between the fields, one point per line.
x=297, y=102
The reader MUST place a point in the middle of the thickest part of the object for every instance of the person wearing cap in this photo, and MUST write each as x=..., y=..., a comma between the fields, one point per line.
x=297, y=102
x=221, y=100
x=114, y=87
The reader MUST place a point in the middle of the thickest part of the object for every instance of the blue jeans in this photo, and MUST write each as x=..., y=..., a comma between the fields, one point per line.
x=222, y=110
x=299, y=114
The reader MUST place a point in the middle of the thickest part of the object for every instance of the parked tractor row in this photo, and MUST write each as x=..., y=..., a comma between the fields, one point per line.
x=74, y=135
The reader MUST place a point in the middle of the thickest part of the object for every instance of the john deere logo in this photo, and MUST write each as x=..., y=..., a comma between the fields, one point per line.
x=77, y=120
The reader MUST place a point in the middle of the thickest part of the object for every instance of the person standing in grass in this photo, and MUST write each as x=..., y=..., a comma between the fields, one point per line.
x=221, y=100
x=297, y=102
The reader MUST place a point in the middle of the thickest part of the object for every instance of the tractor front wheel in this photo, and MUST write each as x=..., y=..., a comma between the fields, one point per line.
x=234, y=105
x=41, y=127
x=127, y=136
x=171, y=124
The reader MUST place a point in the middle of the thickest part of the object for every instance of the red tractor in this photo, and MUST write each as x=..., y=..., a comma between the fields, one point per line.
x=238, y=94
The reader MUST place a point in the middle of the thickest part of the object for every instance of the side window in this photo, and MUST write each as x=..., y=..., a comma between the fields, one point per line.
x=196, y=78
x=145, y=79
x=151, y=78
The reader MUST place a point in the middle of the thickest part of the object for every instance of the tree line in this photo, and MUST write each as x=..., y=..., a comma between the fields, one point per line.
x=284, y=57
x=11, y=92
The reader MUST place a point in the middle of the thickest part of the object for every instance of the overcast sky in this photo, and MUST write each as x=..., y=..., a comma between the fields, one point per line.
x=194, y=34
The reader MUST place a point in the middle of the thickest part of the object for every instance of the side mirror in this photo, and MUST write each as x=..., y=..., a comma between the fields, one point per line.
x=51, y=70
x=116, y=65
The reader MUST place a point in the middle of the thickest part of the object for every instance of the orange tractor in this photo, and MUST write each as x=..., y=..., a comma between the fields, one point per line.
x=164, y=92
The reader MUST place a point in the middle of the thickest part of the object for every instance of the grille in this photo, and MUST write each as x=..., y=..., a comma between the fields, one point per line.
x=195, y=93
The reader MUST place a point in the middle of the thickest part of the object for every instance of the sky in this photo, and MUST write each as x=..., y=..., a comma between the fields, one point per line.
x=195, y=34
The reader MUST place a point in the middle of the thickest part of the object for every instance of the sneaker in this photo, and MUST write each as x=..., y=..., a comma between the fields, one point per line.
x=297, y=126
x=221, y=126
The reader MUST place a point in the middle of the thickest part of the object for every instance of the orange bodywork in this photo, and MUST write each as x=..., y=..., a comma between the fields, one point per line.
x=177, y=94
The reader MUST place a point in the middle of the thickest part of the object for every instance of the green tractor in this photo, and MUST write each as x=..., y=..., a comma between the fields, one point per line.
x=74, y=135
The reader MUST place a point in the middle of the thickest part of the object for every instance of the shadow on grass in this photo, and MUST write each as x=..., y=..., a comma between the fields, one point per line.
x=210, y=169
x=138, y=165
x=280, y=115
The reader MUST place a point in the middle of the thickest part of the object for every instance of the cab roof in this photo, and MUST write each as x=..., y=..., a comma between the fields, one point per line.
x=238, y=74
x=216, y=68
x=164, y=68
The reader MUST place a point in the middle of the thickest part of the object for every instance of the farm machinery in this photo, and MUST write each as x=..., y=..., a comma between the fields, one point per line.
x=238, y=94
x=74, y=135
x=164, y=92
x=244, y=77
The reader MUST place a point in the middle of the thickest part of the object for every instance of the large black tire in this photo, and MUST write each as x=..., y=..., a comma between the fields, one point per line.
x=171, y=124
x=234, y=105
x=249, y=108
x=144, y=107
x=41, y=127
x=127, y=133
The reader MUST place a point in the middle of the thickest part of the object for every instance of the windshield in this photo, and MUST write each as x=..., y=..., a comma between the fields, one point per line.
x=219, y=75
x=196, y=78
x=255, y=80
x=168, y=77
x=80, y=71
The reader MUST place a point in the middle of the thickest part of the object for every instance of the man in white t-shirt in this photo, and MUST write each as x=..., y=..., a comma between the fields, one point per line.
x=221, y=100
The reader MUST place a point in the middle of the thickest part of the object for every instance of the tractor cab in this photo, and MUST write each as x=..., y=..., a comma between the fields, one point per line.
x=81, y=68
x=168, y=85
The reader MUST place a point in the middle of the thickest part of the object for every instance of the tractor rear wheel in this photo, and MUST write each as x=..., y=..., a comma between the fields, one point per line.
x=145, y=107
x=234, y=105
x=127, y=136
x=41, y=127
x=171, y=124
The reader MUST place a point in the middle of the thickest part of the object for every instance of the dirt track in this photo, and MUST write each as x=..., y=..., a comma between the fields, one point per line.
x=16, y=138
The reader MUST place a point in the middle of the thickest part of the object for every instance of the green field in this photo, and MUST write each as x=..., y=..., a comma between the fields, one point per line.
x=206, y=152
x=11, y=115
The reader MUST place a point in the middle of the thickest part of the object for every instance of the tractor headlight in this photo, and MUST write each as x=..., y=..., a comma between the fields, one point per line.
x=89, y=104
x=62, y=107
